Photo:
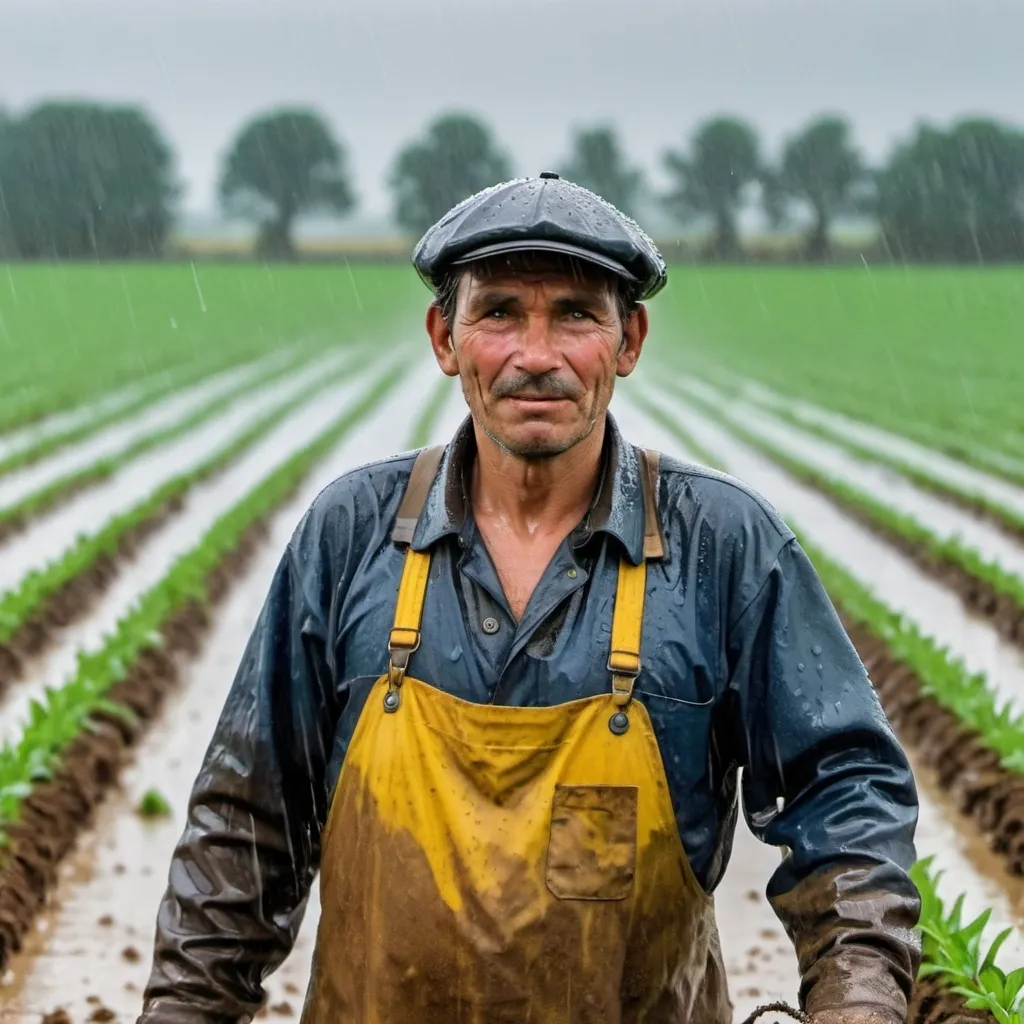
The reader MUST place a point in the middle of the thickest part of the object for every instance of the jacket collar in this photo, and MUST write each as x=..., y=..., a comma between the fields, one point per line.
x=617, y=509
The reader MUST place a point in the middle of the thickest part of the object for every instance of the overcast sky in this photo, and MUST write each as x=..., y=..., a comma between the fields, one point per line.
x=380, y=69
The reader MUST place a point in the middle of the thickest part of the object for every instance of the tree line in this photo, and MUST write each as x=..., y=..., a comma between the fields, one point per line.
x=86, y=180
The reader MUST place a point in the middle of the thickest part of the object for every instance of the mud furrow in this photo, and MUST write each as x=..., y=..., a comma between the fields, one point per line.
x=14, y=442
x=52, y=536
x=49, y=535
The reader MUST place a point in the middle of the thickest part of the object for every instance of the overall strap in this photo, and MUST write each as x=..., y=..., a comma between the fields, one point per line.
x=424, y=469
x=405, y=633
x=628, y=615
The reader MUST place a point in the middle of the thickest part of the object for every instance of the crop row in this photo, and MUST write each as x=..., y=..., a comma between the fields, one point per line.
x=1002, y=589
x=103, y=468
x=23, y=603
x=65, y=711
x=954, y=952
x=968, y=695
x=995, y=463
x=150, y=391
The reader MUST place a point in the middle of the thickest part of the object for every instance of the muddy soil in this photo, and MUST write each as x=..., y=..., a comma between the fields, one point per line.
x=58, y=809
x=75, y=599
x=993, y=796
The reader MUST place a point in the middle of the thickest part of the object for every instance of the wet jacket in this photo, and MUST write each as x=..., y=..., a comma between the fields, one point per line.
x=745, y=665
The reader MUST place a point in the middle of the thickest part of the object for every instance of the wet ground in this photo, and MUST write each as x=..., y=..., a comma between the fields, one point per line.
x=18, y=484
x=938, y=465
x=886, y=485
x=937, y=611
x=50, y=534
x=202, y=506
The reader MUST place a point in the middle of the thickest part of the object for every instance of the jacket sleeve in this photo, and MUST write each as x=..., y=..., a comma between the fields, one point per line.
x=826, y=780
x=242, y=870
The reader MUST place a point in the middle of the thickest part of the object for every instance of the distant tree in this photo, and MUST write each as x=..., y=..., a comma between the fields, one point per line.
x=822, y=168
x=86, y=180
x=955, y=195
x=282, y=164
x=7, y=249
x=597, y=162
x=457, y=157
x=710, y=179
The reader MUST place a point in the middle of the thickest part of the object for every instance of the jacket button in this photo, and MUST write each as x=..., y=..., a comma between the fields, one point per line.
x=491, y=625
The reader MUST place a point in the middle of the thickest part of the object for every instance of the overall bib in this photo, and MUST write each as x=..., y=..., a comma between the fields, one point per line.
x=485, y=864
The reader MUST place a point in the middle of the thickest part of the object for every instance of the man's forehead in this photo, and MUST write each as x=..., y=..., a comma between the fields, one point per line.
x=549, y=274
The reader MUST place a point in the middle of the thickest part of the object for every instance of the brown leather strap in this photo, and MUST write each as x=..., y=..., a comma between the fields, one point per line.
x=424, y=470
x=654, y=544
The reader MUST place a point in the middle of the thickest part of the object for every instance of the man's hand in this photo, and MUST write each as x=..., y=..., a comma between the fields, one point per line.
x=857, y=1015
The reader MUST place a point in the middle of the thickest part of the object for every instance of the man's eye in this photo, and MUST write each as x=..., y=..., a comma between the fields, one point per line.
x=500, y=313
x=580, y=314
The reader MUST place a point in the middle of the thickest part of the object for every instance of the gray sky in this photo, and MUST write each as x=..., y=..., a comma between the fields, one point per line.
x=380, y=69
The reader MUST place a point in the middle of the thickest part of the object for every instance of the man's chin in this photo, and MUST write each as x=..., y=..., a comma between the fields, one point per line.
x=533, y=444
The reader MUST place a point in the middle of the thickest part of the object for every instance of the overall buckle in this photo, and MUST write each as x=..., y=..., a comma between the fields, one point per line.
x=401, y=645
x=624, y=667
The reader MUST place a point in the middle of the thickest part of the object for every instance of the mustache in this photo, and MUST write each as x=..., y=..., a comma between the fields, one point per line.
x=536, y=385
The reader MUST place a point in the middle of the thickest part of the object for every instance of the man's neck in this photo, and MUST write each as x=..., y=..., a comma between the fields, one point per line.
x=530, y=496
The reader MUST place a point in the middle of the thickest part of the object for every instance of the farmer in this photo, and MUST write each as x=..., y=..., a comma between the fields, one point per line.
x=499, y=695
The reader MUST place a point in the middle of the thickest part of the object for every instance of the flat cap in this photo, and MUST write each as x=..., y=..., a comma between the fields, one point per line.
x=547, y=213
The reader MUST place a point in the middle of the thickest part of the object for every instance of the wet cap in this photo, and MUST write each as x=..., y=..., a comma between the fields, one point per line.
x=548, y=214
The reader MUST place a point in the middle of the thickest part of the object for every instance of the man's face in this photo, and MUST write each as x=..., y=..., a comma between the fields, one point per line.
x=537, y=353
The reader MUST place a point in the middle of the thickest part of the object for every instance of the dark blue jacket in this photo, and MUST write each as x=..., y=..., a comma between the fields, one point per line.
x=745, y=665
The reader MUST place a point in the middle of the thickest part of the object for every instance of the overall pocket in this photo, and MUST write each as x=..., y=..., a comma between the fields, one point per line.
x=592, y=843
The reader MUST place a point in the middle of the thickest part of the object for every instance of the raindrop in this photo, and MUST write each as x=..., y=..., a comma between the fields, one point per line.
x=800, y=666
x=456, y=652
x=816, y=650
x=820, y=667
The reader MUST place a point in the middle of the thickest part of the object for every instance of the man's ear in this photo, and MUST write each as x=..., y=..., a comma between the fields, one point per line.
x=634, y=332
x=441, y=341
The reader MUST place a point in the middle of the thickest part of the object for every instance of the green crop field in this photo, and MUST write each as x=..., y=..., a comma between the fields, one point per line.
x=933, y=353
x=69, y=333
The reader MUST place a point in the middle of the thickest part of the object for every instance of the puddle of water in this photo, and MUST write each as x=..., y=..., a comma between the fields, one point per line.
x=19, y=484
x=638, y=428
x=51, y=534
x=886, y=485
x=453, y=413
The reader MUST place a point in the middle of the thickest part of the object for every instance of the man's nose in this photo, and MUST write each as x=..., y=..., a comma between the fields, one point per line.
x=537, y=350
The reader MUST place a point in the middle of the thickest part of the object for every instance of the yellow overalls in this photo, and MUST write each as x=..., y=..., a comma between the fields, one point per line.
x=509, y=864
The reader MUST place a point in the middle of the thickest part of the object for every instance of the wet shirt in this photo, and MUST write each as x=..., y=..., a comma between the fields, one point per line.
x=745, y=665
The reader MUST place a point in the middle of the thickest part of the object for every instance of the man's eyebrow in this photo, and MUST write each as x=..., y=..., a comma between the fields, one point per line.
x=491, y=297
